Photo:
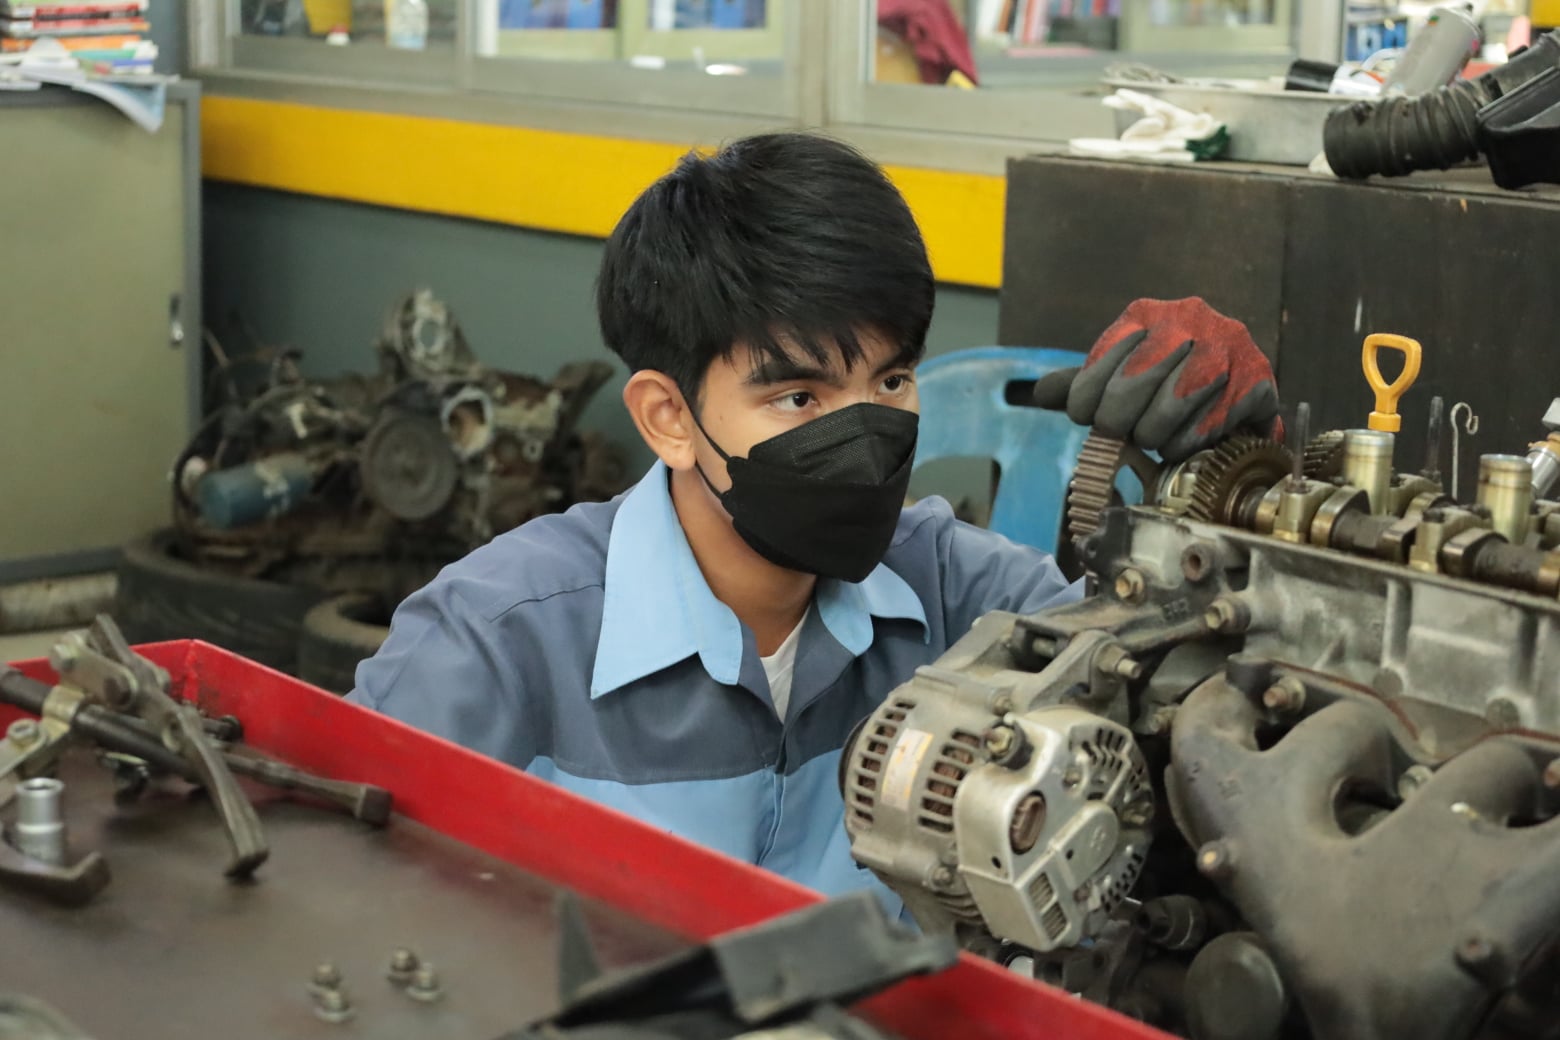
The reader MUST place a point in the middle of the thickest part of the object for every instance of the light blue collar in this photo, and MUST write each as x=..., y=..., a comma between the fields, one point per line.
x=659, y=610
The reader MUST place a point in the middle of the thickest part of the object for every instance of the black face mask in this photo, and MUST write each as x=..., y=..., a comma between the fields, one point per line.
x=824, y=498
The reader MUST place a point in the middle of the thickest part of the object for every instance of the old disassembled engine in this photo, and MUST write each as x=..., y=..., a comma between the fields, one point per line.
x=418, y=463
x=1293, y=772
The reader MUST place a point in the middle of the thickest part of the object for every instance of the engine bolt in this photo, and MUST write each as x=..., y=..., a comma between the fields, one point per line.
x=1413, y=778
x=999, y=740
x=332, y=1005
x=942, y=877
x=1113, y=660
x=1081, y=895
x=326, y=976
x=403, y=965
x=1131, y=586
x=425, y=985
x=1226, y=615
x=1502, y=714
x=1552, y=774
x=1286, y=696
x=1474, y=951
x=1215, y=860
x=1072, y=778
x=23, y=732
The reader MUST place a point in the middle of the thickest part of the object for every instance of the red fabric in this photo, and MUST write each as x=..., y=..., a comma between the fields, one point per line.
x=1220, y=346
x=934, y=35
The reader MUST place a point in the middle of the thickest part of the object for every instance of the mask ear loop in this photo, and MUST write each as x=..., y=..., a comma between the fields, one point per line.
x=721, y=495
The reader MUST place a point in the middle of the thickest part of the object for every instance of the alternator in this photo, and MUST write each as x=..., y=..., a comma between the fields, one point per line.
x=1031, y=825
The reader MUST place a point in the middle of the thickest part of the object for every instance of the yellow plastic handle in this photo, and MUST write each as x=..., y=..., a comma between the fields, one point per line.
x=1385, y=417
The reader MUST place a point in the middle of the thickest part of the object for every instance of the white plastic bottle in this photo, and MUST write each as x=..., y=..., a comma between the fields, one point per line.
x=406, y=24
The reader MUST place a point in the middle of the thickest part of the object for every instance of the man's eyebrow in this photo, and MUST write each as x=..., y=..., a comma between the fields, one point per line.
x=785, y=370
x=904, y=359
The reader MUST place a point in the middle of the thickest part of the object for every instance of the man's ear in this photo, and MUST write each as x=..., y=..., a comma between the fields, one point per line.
x=662, y=416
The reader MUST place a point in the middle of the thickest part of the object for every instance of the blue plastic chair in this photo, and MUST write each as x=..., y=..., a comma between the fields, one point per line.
x=964, y=412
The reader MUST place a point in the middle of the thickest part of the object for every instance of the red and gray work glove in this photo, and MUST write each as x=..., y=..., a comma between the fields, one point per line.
x=1172, y=376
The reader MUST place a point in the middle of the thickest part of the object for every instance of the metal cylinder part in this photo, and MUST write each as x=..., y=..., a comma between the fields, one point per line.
x=1506, y=490
x=40, y=821
x=1545, y=460
x=1367, y=465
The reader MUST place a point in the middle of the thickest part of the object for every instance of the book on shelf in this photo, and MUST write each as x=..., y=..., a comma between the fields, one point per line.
x=72, y=9
x=27, y=28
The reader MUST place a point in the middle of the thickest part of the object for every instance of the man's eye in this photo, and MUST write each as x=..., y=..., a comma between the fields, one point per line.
x=894, y=384
x=795, y=402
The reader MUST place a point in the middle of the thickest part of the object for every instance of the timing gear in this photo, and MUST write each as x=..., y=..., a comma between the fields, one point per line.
x=1092, y=488
x=1324, y=456
x=1232, y=478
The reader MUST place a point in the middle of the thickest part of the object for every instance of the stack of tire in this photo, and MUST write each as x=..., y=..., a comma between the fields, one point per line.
x=317, y=636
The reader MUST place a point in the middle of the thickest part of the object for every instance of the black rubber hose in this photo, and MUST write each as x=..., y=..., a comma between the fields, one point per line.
x=1435, y=131
x=1399, y=135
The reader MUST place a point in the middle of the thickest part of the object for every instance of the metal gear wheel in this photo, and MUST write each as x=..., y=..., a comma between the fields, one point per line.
x=1324, y=456
x=1093, y=485
x=1233, y=476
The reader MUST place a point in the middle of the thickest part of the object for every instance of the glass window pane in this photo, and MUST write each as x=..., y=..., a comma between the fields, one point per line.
x=721, y=37
x=411, y=25
x=1065, y=43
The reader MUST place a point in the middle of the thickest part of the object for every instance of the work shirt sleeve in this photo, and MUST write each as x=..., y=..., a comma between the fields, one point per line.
x=444, y=669
x=983, y=571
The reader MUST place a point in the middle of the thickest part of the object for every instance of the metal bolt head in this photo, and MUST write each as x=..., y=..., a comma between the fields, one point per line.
x=1215, y=860
x=1474, y=951
x=999, y=740
x=1081, y=894
x=1552, y=774
x=1413, y=778
x=425, y=985
x=1072, y=778
x=332, y=1005
x=1223, y=615
x=1131, y=586
x=23, y=732
x=1285, y=696
x=1502, y=714
x=327, y=976
x=403, y=965
x=942, y=877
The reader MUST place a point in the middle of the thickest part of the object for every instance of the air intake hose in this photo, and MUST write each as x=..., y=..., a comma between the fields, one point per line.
x=1398, y=135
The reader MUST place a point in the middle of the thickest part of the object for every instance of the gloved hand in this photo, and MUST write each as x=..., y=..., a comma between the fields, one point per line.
x=1172, y=376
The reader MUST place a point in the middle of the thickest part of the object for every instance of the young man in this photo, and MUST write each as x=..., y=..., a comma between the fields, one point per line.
x=696, y=651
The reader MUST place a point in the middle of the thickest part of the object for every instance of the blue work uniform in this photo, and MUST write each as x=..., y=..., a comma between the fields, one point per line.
x=587, y=649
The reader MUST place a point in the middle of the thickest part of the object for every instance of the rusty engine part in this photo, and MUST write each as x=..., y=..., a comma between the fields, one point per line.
x=372, y=482
x=1293, y=772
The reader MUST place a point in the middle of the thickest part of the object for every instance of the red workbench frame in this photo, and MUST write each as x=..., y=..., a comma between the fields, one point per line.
x=600, y=853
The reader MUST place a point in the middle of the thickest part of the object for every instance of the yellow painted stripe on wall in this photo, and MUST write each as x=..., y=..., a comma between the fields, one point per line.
x=573, y=183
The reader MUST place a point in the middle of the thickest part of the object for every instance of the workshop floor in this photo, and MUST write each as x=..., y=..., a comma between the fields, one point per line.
x=24, y=645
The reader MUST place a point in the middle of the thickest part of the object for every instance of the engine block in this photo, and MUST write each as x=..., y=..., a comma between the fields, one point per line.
x=1292, y=771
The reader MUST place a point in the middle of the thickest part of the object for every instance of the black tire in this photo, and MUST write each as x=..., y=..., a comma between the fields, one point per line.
x=161, y=596
x=337, y=634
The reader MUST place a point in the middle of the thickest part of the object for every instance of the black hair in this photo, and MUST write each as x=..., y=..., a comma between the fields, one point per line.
x=777, y=240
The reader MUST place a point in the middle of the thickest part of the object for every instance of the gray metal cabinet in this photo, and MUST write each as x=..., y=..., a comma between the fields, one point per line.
x=101, y=328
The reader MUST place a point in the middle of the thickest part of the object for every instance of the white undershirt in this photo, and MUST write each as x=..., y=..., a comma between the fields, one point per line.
x=778, y=667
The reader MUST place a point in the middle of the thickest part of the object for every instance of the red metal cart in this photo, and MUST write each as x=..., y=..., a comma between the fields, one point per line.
x=603, y=855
